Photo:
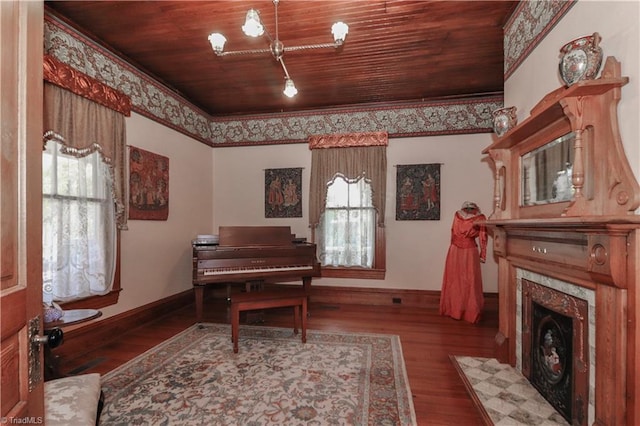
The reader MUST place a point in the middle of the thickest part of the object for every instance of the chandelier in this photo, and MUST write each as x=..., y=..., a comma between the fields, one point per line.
x=253, y=27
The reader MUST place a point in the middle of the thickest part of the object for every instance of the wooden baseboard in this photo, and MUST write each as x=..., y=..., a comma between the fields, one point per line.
x=374, y=296
x=350, y=295
x=82, y=340
x=383, y=296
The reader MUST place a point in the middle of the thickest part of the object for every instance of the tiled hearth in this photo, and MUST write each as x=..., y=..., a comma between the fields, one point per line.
x=503, y=395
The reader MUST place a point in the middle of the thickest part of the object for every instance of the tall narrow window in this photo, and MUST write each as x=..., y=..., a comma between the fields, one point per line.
x=79, y=228
x=83, y=187
x=347, y=229
x=347, y=203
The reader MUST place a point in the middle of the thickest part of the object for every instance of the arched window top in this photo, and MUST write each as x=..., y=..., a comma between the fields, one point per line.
x=353, y=155
x=345, y=192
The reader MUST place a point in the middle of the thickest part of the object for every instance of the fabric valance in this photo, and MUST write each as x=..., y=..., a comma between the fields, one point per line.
x=83, y=127
x=355, y=155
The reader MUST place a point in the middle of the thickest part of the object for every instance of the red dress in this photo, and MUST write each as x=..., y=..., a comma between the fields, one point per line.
x=461, y=296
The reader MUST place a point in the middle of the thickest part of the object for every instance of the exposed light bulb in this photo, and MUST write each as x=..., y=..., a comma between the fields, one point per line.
x=253, y=25
x=290, y=88
x=217, y=41
x=339, y=31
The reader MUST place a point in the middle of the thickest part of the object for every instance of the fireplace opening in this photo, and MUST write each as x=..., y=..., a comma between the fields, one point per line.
x=551, y=358
x=555, y=349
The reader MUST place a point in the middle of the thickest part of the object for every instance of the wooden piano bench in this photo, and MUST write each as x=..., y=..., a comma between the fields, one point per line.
x=297, y=298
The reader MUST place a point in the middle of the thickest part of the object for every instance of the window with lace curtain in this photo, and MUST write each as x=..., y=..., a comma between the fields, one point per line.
x=346, y=233
x=83, y=187
x=347, y=203
x=79, y=228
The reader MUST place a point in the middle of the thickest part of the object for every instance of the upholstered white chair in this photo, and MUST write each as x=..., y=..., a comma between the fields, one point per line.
x=73, y=400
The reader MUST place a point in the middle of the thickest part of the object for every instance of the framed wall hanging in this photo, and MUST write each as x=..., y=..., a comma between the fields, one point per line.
x=283, y=193
x=418, y=192
x=148, y=185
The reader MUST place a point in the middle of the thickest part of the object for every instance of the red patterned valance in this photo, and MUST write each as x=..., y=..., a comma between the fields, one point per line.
x=346, y=140
x=63, y=75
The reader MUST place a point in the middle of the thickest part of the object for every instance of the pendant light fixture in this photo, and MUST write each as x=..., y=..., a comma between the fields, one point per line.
x=253, y=27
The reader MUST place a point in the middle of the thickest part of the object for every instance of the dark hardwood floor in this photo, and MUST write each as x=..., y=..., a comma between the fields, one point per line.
x=428, y=339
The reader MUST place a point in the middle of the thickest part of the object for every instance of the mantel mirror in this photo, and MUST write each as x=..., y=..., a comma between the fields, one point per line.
x=566, y=159
x=547, y=172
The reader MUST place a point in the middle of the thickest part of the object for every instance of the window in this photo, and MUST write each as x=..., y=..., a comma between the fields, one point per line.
x=347, y=203
x=346, y=233
x=83, y=187
x=79, y=228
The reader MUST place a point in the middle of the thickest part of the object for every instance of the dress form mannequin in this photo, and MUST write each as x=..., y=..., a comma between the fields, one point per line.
x=461, y=296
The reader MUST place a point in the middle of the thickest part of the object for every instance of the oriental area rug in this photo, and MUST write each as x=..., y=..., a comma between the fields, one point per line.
x=195, y=378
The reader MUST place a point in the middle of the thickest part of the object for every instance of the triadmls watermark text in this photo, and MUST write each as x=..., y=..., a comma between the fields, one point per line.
x=29, y=420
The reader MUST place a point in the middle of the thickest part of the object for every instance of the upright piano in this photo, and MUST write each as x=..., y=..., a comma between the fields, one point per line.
x=252, y=254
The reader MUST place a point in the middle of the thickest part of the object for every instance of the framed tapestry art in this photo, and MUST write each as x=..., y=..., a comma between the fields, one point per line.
x=148, y=185
x=283, y=193
x=418, y=192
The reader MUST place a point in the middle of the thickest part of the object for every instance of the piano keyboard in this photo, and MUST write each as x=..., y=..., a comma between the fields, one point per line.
x=253, y=270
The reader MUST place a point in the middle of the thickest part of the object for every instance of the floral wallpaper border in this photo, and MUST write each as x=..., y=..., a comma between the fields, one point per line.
x=531, y=21
x=529, y=24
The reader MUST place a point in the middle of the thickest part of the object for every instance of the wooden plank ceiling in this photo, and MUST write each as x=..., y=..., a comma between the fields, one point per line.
x=395, y=52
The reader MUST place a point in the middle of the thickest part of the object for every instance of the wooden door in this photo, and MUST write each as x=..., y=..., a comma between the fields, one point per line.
x=21, y=37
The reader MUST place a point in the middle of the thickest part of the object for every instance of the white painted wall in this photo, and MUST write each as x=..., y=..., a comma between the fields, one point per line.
x=618, y=23
x=416, y=250
x=156, y=255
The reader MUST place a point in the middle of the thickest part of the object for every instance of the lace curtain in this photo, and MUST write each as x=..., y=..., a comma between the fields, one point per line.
x=346, y=233
x=78, y=232
x=83, y=194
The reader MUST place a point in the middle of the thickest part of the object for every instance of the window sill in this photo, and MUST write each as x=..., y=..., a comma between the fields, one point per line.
x=93, y=302
x=358, y=273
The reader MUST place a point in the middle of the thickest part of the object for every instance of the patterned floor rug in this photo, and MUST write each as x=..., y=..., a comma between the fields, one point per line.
x=195, y=378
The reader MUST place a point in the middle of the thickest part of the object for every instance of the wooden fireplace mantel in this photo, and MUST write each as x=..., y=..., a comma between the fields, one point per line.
x=587, y=252
x=591, y=240
x=602, y=256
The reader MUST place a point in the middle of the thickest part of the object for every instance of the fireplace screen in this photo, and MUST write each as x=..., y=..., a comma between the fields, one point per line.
x=555, y=347
x=551, y=358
